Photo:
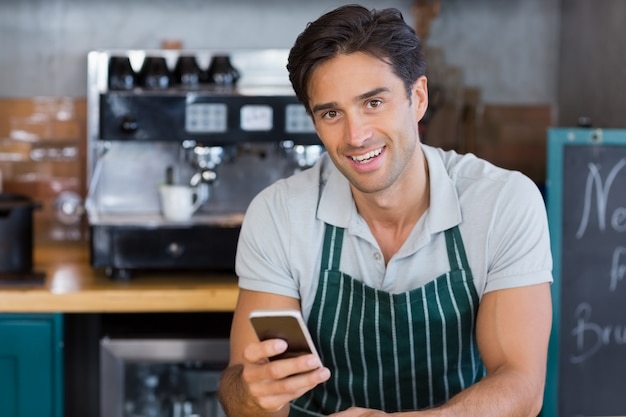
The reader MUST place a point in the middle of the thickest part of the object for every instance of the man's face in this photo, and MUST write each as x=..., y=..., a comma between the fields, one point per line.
x=365, y=120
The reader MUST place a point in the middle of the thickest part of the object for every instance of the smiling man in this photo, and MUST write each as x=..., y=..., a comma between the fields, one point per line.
x=423, y=275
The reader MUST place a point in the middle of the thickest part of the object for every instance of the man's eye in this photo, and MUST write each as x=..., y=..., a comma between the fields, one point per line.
x=374, y=103
x=329, y=115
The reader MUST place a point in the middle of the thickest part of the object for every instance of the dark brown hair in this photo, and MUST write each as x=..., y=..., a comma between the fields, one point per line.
x=382, y=34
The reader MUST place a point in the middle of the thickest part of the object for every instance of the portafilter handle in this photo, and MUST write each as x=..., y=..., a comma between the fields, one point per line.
x=206, y=176
x=202, y=181
x=302, y=156
x=207, y=157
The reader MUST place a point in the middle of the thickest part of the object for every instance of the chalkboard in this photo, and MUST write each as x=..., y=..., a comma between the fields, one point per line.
x=586, y=199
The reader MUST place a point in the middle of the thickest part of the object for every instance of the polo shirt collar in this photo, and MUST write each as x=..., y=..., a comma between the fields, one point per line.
x=445, y=210
x=336, y=205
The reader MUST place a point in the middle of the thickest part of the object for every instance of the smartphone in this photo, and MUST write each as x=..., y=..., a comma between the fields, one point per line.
x=287, y=325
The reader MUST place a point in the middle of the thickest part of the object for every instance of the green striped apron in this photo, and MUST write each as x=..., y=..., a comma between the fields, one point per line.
x=392, y=352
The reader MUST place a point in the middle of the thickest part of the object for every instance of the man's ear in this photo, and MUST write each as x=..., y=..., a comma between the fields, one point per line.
x=419, y=96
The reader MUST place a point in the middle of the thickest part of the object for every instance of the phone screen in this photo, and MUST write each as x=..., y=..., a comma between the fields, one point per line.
x=289, y=327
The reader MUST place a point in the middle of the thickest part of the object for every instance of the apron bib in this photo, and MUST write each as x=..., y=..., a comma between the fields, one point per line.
x=392, y=352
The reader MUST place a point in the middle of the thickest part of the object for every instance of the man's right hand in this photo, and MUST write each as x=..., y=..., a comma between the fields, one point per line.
x=273, y=384
x=254, y=386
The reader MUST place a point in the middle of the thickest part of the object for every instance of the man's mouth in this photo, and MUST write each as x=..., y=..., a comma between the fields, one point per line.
x=362, y=159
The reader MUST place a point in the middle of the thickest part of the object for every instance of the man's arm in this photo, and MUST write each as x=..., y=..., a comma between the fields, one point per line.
x=254, y=386
x=513, y=329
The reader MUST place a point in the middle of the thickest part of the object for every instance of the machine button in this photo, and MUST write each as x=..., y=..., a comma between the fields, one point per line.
x=175, y=250
x=129, y=124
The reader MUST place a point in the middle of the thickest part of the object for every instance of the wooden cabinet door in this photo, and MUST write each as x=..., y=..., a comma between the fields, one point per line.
x=31, y=372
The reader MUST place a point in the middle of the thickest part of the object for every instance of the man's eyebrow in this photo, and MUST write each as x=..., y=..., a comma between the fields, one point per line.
x=372, y=93
x=366, y=95
x=323, y=106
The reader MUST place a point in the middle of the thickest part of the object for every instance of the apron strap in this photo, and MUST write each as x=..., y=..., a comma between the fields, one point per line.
x=331, y=252
x=456, y=250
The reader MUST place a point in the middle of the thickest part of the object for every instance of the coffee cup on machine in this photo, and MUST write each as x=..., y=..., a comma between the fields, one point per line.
x=179, y=202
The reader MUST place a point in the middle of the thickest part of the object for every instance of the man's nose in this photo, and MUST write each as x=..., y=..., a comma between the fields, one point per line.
x=357, y=130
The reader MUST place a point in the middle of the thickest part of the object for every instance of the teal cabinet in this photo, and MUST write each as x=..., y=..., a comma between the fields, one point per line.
x=31, y=365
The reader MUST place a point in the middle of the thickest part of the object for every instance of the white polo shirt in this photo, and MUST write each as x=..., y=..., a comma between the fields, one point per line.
x=500, y=213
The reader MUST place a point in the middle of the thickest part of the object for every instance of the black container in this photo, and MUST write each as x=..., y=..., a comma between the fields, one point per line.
x=121, y=74
x=221, y=71
x=16, y=234
x=187, y=73
x=155, y=74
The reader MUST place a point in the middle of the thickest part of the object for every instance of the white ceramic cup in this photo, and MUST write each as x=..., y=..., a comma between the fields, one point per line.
x=179, y=202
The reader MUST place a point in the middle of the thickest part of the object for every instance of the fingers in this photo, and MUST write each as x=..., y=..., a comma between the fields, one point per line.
x=274, y=394
x=275, y=383
x=260, y=352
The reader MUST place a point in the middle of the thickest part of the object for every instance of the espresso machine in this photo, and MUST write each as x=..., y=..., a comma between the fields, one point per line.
x=226, y=123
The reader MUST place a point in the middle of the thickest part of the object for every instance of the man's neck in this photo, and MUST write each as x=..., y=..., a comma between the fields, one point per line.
x=392, y=214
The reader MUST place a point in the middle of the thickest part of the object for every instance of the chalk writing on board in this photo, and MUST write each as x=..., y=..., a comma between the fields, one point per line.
x=594, y=181
x=603, y=191
x=598, y=214
x=592, y=337
x=618, y=267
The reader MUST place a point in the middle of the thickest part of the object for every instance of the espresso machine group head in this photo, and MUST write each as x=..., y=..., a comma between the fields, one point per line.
x=228, y=127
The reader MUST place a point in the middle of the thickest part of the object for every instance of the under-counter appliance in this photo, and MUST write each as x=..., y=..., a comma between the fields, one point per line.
x=161, y=377
x=224, y=122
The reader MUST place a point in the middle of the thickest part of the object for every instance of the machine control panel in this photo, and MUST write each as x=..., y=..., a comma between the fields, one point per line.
x=297, y=120
x=213, y=118
x=206, y=118
x=216, y=119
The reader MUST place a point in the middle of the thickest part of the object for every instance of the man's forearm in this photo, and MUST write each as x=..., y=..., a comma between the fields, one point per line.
x=234, y=397
x=502, y=394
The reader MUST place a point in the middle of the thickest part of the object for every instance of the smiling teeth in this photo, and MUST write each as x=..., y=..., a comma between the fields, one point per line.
x=367, y=156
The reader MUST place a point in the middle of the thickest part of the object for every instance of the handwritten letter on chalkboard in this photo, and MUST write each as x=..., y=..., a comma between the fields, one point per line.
x=590, y=273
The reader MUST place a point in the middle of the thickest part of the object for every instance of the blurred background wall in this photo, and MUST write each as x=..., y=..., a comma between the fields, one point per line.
x=508, y=49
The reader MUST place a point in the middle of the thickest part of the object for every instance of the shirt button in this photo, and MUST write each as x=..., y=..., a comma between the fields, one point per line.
x=377, y=256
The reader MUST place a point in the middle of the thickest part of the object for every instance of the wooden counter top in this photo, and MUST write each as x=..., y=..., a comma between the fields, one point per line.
x=72, y=285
